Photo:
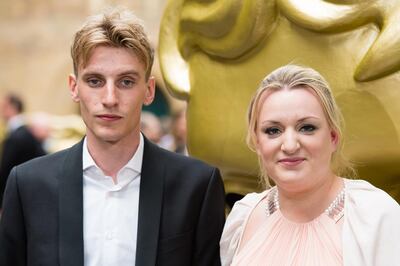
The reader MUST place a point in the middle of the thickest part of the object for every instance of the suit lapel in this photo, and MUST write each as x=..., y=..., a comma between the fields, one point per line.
x=71, y=208
x=150, y=205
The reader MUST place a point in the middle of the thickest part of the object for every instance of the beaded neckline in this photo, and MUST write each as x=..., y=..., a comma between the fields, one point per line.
x=335, y=210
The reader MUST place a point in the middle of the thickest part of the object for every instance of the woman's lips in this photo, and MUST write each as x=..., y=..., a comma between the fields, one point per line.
x=294, y=161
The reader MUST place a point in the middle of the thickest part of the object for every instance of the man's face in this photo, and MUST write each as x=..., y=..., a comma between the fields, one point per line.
x=111, y=90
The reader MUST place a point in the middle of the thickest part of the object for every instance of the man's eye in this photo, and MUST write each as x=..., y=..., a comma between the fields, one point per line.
x=95, y=83
x=308, y=128
x=272, y=131
x=127, y=83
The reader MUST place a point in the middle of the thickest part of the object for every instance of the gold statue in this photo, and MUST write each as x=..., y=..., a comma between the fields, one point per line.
x=214, y=53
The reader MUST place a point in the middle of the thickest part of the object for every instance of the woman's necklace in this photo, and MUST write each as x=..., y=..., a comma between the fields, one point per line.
x=335, y=210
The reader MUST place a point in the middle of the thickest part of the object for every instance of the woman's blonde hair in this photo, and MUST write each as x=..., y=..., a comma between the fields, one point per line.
x=116, y=27
x=295, y=76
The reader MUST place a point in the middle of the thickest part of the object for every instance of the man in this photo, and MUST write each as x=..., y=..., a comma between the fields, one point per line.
x=20, y=145
x=114, y=198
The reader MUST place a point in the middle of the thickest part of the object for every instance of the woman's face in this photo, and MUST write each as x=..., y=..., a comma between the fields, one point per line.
x=294, y=139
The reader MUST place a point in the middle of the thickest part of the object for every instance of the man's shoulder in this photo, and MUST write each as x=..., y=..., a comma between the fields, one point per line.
x=173, y=159
x=46, y=161
x=188, y=170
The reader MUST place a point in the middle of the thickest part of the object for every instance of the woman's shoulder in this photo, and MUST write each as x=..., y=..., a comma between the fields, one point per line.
x=242, y=208
x=371, y=229
x=248, y=202
x=235, y=224
x=363, y=194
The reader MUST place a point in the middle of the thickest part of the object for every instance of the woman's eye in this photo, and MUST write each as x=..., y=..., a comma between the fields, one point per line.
x=307, y=128
x=272, y=131
x=93, y=82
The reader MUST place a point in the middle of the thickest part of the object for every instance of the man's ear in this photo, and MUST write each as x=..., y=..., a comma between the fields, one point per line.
x=73, y=88
x=150, y=91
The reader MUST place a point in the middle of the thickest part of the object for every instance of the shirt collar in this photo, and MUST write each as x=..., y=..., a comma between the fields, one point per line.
x=135, y=163
x=15, y=122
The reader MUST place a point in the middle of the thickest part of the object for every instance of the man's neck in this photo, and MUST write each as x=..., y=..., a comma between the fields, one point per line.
x=110, y=156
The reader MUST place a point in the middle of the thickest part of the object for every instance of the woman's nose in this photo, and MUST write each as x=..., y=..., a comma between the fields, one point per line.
x=290, y=143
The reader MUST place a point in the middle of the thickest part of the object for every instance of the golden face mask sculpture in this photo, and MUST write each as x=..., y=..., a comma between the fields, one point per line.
x=214, y=54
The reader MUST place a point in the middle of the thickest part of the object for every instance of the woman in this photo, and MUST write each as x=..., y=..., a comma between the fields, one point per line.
x=313, y=216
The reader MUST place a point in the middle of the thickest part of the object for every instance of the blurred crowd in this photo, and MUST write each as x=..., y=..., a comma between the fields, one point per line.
x=168, y=132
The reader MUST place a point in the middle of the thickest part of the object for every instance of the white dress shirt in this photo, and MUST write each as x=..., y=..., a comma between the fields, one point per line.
x=110, y=211
x=15, y=122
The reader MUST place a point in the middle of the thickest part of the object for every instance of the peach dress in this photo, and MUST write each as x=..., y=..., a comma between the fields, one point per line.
x=279, y=241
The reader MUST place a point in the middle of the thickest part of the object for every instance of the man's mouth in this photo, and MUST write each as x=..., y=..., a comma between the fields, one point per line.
x=109, y=117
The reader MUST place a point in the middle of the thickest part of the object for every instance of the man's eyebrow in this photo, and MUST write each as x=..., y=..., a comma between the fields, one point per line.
x=97, y=73
x=130, y=72
x=91, y=73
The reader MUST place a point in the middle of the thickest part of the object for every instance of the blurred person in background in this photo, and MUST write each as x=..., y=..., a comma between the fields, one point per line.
x=150, y=126
x=39, y=125
x=175, y=140
x=19, y=145
x=179, y=132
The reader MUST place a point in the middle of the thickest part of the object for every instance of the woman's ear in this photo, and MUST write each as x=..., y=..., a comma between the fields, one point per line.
x=334, y=138
x=257, y=147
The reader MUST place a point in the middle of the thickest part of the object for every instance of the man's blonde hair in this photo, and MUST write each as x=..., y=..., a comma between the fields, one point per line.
x=291, y=77
x=115, y=27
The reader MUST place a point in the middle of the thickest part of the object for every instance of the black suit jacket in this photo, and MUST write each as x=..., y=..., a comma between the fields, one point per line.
x=181, y=211
x=18, y=147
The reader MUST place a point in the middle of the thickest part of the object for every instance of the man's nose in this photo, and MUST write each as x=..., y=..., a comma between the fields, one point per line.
x=110, y=97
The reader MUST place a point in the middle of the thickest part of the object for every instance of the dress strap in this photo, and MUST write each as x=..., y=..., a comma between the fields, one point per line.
x=273, y=201
x=336, y=209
